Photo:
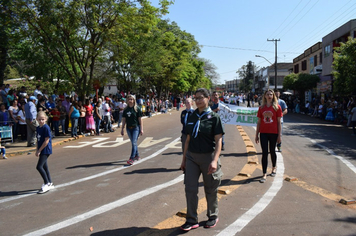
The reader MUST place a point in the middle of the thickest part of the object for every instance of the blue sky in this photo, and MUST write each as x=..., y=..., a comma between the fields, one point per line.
x=232, y=32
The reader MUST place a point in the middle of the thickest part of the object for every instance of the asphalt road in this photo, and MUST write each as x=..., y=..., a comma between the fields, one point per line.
x=98, y=194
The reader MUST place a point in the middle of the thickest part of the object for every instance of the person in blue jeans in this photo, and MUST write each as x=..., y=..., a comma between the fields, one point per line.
x=74, y=116
x=131, y=118
x=43, y=151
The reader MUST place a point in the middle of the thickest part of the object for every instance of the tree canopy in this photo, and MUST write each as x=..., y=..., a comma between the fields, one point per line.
x=300, y=82
x=246, y=74
x=344, y=67
x=94, y=41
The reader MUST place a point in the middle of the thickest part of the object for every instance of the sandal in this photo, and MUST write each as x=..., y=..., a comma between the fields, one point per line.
x=274, y=172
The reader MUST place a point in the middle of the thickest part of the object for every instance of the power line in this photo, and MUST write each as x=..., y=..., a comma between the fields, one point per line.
x=285, y=19
x=246, y=49
x=327, y=26
x=295, y=15
x=300, y=18
x=294, y=8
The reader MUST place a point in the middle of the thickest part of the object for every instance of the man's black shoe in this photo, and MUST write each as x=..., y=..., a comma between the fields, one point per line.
x=188, y=226
x=211, y=223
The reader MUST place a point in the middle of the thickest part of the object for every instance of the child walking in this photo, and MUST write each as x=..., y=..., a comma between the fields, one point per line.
x=44, y=149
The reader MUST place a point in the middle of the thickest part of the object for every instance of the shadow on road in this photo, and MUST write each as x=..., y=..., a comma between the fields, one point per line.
x=172, y=153
x=115, y=163
x=152, y=170
x=143, y=231
x=347, y=220
x=337, y=138
x=17, y=193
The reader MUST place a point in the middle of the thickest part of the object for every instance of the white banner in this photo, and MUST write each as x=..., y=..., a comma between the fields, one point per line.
x=237, y=115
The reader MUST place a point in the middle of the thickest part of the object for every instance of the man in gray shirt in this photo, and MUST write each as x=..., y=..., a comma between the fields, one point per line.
x=31, y=114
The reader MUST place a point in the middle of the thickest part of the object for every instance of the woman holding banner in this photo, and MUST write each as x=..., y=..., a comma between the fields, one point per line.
x=269, y=127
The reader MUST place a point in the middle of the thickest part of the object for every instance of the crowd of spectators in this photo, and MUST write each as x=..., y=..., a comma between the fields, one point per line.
x=333, y=109
x=69, y=115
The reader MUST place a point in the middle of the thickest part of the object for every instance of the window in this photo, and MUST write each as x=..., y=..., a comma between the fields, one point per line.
x=296, y=68
x=321, y=58
x=327, y=50
x=304, y=65
x=315, y=60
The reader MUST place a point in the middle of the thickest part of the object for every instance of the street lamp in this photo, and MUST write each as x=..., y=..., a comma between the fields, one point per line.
x=268, y=73
x=264, y=58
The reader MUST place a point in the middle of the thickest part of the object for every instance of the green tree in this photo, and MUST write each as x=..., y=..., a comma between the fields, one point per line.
x=289, y=80
x=300, y=82
x=75, y=33
x=246, y=74
x=11, y=73
x=210, y=71
x=162, y=60
x=7, y=28
x=344, y=66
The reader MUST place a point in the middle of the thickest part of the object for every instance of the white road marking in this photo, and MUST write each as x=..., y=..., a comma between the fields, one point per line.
x=87, y=143
x=109, y=144
x=266, y=199
x=105, y=208
x=177, y=145
x=92, y=176
x=149, y=142
x=331, y=152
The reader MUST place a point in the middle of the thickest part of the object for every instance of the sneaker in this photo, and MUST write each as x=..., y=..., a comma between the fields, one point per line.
x=4, y=157
x=188, y=226
x=130, y=162
x=51, y=185
x=211, y=223
x=45, y=188
x=137, y=158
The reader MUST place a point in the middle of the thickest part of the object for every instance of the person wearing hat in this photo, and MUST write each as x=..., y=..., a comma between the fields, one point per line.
x=31, y=114
x=122, y=106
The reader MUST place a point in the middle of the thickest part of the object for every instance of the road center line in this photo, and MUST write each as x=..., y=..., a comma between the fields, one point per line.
x=93, y=176
x=105, y=208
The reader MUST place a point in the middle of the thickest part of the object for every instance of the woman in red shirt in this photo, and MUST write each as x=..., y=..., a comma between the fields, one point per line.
x=269, y=126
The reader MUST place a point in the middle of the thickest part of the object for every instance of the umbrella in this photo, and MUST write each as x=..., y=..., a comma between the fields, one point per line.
x=287, y=93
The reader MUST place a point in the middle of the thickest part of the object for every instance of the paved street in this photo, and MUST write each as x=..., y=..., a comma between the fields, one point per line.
x=98, y=194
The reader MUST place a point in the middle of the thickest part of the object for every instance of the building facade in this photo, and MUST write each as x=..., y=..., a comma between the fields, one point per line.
x=265, y=77
x=329, y=43
x=310, y=62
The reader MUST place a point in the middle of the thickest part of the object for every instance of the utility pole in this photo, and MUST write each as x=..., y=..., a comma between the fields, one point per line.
x=275, y=61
